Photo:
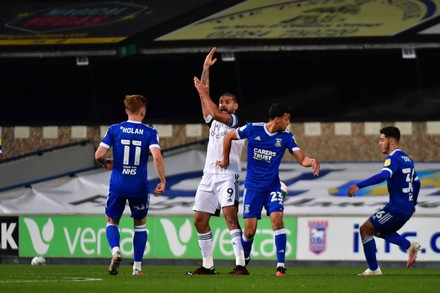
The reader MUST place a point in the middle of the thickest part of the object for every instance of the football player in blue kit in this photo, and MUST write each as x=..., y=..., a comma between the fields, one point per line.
x=132, y=141
x=267, y=143
x=403, y=186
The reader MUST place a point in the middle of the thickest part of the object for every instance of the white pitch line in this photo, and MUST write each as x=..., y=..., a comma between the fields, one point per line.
x=79, y=279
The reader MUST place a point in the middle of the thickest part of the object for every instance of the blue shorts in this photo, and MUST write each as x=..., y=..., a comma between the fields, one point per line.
x=115, y=205
x=386, y=221
x=254, y=201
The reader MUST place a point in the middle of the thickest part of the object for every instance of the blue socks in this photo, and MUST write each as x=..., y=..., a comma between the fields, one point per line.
x=280, y=244
x=139, y=242
x=247, y=245
x=139, y=239
x=397, y=239
x=370, y=252
x=112, y=232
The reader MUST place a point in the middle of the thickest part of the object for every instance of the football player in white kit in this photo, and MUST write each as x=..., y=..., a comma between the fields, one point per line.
x=219, y=187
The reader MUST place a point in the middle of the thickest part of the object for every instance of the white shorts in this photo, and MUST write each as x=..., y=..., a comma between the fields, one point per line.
x=215, y=192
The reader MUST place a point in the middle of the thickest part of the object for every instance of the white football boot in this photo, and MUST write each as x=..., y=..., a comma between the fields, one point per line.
x=412, y=253
x=369, y=272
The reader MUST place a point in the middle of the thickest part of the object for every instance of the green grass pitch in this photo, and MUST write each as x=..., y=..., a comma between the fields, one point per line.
x=95, y=278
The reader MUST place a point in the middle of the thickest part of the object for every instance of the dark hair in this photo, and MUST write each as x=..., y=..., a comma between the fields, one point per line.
x=234, y=98
x=391, y=131
x=278, y=110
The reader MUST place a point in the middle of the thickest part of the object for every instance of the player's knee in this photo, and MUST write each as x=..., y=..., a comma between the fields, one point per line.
x=249, y=230
x=366, y=231
x=277, y=223
x=232, y=221
x=248, y=234
x=201, y=225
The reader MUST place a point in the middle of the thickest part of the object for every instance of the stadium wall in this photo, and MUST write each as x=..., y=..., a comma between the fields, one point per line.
x=330, y=142
x=42, y=166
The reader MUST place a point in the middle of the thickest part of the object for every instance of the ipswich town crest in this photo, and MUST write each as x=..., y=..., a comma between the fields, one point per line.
x=317, y=236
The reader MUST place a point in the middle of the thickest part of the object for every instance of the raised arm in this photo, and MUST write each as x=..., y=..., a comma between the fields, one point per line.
x=209, y=61
x=305, y=161
x=206, y=106
x=209, y=108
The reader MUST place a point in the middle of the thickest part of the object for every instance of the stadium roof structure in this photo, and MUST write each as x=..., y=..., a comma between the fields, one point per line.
x=124, y=28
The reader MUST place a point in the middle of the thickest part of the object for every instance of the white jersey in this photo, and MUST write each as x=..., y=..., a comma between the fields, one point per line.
x=217, y=131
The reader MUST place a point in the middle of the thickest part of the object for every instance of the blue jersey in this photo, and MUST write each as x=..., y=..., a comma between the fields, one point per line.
x=131, y=142
x=400, y=182
x=264, y=153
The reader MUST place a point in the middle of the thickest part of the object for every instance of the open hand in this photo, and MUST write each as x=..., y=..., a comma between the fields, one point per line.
x=209, y=61
x=202, y=89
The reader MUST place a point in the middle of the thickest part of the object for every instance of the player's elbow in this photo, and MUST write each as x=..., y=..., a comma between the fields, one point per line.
x=98, y=157
x=416, y=186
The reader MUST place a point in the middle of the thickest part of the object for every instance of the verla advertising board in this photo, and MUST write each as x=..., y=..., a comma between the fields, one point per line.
x=308, y=238
x=168, y=238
